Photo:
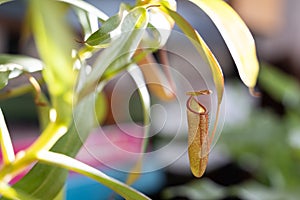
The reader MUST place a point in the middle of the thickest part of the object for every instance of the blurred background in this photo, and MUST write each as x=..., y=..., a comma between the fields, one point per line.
x=257, y=155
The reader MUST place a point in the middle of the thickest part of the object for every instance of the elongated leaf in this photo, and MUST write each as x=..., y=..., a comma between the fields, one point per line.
x=4, y=1
x=88, y=15
x=88, y=22
x=162, y=22
x=138, y=56
x=102, y=37
x=87, y=7
x=236, y=35
x=54, y=42
x=64, y=161
x=204, y=50
x=7, y=149
x=121, y=50
x=138, y=78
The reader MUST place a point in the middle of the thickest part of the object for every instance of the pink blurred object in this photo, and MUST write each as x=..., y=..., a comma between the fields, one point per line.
x=112, y=145
x=105, y=146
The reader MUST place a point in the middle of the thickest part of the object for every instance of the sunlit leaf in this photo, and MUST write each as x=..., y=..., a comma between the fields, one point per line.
x=236, y=35
x=121, y=50
x=54, y=42
x=87, y=7
x=88, y=15
x=162, y=23
x=7, y=149
x=64, y=161
x=121, y=66
x=88, y=22
x=102, y=36
x=203, y=50
x=138, y=78
x=101, y=107
x=4, y=1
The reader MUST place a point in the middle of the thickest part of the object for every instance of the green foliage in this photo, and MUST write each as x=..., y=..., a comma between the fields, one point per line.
x=67, y=116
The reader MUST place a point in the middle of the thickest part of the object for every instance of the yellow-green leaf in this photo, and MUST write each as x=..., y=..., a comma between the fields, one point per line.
x=236, y=36
x=61, y=160
x=54, y=41
x=4, y=1
x=203, y=50
x=137, y=77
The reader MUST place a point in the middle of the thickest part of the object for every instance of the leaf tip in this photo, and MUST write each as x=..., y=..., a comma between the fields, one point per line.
x=254, y=93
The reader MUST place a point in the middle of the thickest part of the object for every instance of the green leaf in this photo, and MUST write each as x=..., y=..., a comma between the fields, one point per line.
x=88, y=22
x=4, y=1
x=137, y=75
x=203, y=50
x=120, y=51
x=117, y=67
x=87, y=7
x=101, y=38
x=64, y=161
x=236, y=36
x=54, y=42
x=45, y=182
x=4, y=78
x=7, y=149
x=101, y=107
x=88, y=15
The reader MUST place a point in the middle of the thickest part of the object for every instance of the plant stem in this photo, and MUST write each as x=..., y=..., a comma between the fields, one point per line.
x=22, y=161
x=48, y=138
